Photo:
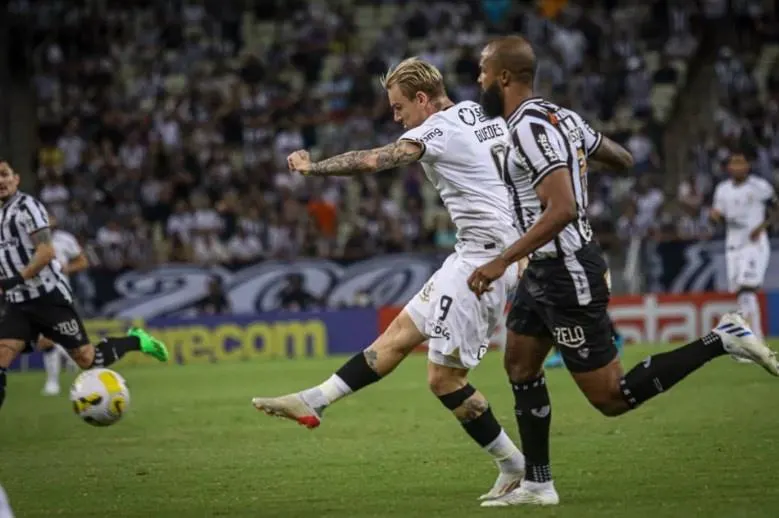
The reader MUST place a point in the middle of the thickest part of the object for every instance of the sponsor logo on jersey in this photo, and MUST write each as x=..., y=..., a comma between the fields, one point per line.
x=572, y=337
x=440, y=330
x=470, y=115
x=430, y=135
x=546, y=148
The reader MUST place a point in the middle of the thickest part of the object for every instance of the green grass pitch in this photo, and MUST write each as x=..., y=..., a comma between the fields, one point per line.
x=193, y=446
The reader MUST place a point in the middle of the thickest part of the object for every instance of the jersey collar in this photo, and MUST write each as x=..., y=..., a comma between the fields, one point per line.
x=522, y=105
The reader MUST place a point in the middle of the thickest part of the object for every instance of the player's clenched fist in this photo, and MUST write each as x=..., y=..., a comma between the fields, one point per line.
x=480, y=280
x=299, y=161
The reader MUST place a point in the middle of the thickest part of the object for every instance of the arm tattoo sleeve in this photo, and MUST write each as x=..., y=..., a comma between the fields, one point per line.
x=368, y=161
x=41, y=236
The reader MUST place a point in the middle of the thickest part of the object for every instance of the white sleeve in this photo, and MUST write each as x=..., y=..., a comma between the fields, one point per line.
x=72, y=249
x=433, y=136
x=537, y=148
x=592, y=137
x=719, y=200
x=767, y=192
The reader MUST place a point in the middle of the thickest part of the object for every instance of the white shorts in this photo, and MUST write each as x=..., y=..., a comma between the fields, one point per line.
x=747, y=265
x=458, y=324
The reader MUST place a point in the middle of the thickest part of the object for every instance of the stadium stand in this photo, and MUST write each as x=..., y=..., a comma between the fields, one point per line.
x=163, y=128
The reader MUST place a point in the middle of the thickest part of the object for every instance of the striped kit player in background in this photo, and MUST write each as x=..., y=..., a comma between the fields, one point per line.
x=38, y=300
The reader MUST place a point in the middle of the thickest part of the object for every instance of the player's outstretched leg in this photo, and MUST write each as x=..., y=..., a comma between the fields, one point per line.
x=112, y=349
x=614, y=394
x=469, y=406
x=363, y=369
x=660, y=372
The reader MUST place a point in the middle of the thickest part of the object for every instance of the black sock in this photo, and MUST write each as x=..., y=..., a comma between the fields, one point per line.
x=2, y=385
x=111, y=350
x=534, y=418
x=484, y=429
x=660, y=372
x=356, y=372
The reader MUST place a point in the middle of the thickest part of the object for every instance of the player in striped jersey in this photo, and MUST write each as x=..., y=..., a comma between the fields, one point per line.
x=563, y=296
x=37, y=294
x=72, y=259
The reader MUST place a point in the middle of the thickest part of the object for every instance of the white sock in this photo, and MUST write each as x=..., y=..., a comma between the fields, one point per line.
x=750, y=307
x=326, y=393
x=51, y=364
x=506, y=454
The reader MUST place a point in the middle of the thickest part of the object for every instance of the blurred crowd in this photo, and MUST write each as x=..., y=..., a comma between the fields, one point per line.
x=746, y=120
x=164, y=126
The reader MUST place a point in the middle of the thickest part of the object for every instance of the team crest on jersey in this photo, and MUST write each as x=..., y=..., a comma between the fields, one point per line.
x=467, y=116
x=424, y=295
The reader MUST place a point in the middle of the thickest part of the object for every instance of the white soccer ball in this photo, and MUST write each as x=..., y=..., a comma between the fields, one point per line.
x=100, y=396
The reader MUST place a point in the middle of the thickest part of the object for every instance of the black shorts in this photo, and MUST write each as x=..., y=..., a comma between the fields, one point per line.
x=566, y=302
x=50, y=315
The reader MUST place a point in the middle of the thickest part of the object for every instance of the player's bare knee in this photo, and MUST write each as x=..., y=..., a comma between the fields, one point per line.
x=45, y=344
x=524, y=357
x=9, y=350
x=609, y=403
x=445, y=380
x=84, y=356
x=520, y=370
x=400, y=336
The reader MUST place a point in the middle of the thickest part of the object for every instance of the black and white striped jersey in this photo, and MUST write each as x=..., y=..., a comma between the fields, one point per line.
x=20, y=217
x=546, y=137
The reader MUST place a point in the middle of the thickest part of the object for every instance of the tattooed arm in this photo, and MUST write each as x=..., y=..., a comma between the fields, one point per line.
x=392, y=155
x=44, y=253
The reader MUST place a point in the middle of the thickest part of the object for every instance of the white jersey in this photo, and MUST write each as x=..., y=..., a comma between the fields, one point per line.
x=463, y=157
x=546, y=137
x=66, y=247
x=743, y=207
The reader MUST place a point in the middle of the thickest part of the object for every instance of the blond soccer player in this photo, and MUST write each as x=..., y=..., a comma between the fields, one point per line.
x=462, y=153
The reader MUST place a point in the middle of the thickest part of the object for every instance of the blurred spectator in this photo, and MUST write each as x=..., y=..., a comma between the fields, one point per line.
x=294, y=297
x=215, y=302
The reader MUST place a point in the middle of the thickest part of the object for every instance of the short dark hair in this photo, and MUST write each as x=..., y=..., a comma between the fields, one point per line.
x=514, y=54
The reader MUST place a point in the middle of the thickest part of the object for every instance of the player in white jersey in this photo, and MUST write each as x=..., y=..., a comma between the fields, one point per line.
x=72, y=259
x=741, y=203
x=562, y=298
x=462, y=153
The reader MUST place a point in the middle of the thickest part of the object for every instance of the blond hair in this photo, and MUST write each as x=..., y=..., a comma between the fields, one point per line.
x=413, y=75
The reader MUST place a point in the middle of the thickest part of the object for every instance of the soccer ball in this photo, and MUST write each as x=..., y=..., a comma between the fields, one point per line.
x=100, y=396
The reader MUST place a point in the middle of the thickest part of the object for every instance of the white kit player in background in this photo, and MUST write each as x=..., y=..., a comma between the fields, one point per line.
x=746, y=204
x=463, y=155
x=72, y=259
